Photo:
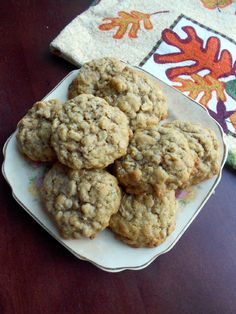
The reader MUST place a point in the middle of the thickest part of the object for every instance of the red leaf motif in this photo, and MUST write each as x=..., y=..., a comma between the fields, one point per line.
x=191, y=49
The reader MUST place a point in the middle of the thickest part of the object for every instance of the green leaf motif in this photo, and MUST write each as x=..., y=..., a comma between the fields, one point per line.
x=230, y=88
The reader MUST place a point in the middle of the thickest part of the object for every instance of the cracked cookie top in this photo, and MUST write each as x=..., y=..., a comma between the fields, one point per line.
x=204, y=146
x=144, y=220
x=94, y=76
x=89, y=133
x=157, y=160
x=34, y=131
x=139, y=97
x=81, y=202
x=132, y=91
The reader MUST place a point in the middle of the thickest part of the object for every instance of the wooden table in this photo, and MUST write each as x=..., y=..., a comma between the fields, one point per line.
x=37, y=274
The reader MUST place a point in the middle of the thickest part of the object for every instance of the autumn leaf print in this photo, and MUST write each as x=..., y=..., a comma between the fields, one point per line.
x=126, y=20
x=205, y=57
x=214, y=4
x=202, y=68
x=199, y=84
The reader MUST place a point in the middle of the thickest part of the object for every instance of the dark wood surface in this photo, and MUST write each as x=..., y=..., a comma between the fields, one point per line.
x=38, y=275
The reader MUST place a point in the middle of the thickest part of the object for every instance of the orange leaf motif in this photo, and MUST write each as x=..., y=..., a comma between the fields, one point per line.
x=200, y=84
x=192, y=49
x=213, y=4
x=126, y=19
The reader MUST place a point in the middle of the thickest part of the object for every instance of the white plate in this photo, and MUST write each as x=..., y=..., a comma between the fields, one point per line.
x=106, y=252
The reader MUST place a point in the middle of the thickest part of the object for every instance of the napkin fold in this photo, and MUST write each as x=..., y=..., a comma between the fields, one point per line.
x=190, y=45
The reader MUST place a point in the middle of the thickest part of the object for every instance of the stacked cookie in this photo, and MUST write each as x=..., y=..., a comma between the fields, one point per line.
x=112, y=118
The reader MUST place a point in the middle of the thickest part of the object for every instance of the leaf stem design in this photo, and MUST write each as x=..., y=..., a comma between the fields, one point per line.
x=159, y=12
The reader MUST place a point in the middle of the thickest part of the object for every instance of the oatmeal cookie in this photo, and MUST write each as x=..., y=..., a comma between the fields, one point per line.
x=132, y=91
x=34, y=131
x=139, y=97
x=94, y=77
x=204, y=146
x=81, y=202
x=157, y=159
x=89, y=133
x=145, y=220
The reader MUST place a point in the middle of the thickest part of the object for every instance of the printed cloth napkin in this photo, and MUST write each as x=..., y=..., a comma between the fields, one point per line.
x=190, y=45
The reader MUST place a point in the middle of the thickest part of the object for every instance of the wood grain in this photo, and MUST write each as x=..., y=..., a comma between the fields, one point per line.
x=37, y=274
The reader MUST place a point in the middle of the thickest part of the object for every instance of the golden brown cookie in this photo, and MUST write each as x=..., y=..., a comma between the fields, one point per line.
x=34, y=131
x=94, y=77
x=80, y=202
x=89, y=133
x=156, y=159
x=145, y=220
x=132, y=91
x=204, y=146
x=139, y=97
